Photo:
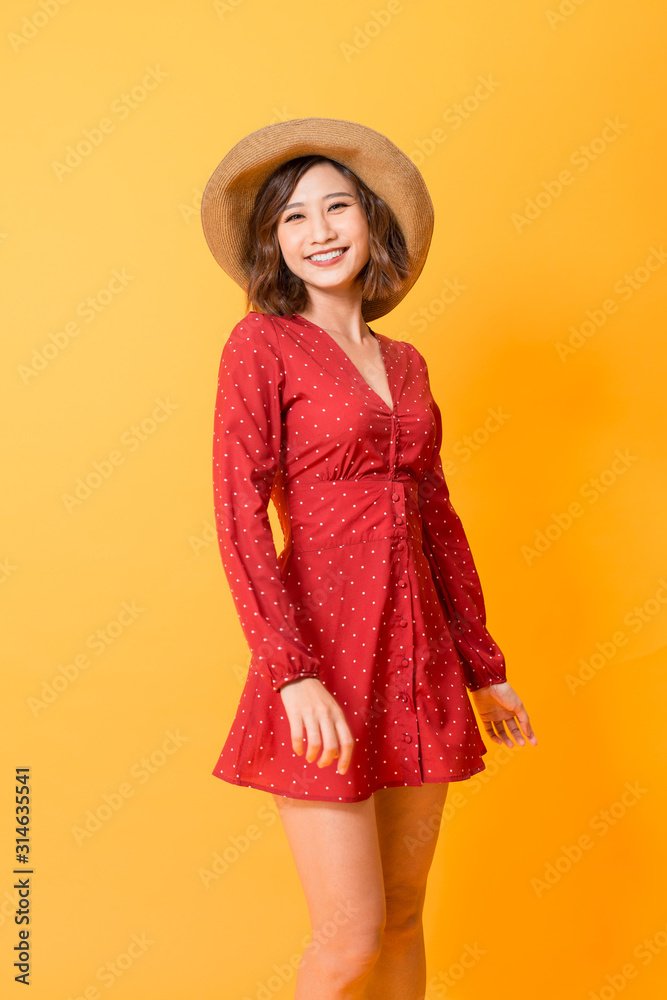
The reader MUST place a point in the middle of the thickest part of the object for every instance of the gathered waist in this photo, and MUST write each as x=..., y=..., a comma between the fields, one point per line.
x=335, y=512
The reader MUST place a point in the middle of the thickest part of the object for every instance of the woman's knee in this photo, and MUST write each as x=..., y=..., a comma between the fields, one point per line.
x=350, y=940
x=404, y=908
x=347, y=958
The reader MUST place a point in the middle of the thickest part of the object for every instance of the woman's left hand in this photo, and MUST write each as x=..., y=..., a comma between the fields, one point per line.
x=497, y=704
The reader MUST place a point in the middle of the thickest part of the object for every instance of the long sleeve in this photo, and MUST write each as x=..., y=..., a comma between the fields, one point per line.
x=246, y=455
x=454, y=573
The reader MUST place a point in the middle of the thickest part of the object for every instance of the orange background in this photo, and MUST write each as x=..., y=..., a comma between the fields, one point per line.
x=539, y=129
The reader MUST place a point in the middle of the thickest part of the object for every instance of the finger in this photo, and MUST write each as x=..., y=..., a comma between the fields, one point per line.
x=515, y=731
x=296, y=733
x=522, y=716
x=492, y=733
x=329, y=742
x=339, y=743
x=346, y=740
x=314, y=747
x=504, y=737
x=313, y=738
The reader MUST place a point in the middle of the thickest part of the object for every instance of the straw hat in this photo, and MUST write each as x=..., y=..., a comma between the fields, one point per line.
x=229, y=195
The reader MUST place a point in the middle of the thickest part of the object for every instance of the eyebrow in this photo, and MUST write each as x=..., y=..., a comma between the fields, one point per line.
x=336, y=194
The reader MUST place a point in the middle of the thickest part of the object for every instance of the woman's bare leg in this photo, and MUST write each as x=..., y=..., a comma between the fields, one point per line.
x=408, y=823
x=337, y=857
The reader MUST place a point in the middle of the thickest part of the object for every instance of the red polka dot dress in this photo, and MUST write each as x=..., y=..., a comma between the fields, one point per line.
x=375, y=591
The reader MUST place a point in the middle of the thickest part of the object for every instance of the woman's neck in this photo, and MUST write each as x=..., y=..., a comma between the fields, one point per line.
x=338, y=316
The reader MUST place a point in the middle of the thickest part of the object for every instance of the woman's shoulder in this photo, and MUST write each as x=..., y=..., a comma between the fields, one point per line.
x=253, y=339
x=253, y=325
x=255, y=329
x=410, y=348
x=404, y=350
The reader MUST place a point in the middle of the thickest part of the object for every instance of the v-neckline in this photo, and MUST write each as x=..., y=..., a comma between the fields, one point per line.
x=389, y=409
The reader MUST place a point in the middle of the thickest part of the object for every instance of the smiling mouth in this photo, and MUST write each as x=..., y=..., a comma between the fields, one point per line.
x=328, y=255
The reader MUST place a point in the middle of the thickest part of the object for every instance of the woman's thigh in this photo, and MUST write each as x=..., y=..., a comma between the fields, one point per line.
x=408, y=820
x=337, y=856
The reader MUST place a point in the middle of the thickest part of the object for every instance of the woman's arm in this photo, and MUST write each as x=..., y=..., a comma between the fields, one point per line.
x=246, y=455
x=454, y=573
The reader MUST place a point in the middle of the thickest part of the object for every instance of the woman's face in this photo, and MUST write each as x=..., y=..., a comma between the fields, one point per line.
x=324, y=214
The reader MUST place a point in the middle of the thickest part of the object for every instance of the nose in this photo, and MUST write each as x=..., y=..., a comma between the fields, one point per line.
x=321, y=228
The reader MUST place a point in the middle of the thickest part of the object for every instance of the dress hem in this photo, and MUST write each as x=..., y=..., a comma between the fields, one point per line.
x=361, y=798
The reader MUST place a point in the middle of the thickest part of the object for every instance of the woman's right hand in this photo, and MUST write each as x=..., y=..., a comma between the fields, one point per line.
x=308, y=703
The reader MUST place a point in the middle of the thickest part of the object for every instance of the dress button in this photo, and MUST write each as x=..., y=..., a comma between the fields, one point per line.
x=395, y=496
x=399, y=520
x=402, y=583
x=407, y=738
x=403, y=697
x=400, y=546
x=403, y=623
x=404, y=662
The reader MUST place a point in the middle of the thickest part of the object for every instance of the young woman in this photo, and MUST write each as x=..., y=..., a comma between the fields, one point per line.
x=368, y=627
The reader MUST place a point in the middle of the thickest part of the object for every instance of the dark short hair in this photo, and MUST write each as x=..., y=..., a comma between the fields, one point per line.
x=272, y=287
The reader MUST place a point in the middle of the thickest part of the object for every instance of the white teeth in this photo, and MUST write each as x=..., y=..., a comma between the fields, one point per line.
x=327, y=256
